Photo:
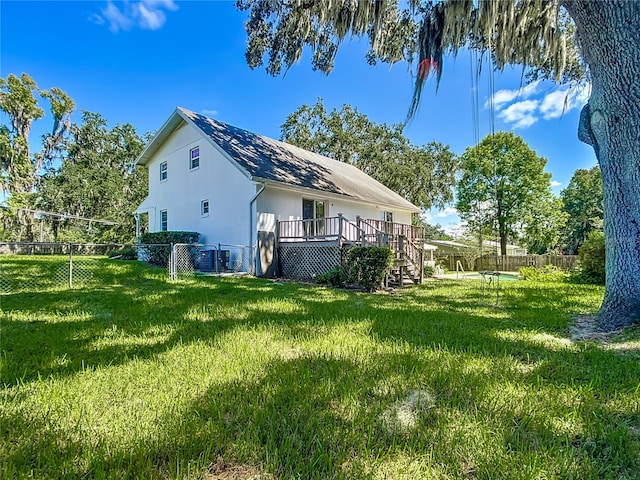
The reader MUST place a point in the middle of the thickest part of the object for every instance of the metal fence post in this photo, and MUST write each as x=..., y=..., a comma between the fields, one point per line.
x=219, y=259
x=70, y=266
x=172, y=262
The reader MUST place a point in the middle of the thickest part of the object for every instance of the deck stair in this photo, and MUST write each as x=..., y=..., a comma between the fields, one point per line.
x=408, y=275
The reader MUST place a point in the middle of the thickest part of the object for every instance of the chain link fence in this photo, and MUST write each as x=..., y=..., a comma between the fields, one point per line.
x=28, y=267
x=189, y=259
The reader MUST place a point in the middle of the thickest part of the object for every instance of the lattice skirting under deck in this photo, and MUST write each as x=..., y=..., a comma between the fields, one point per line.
x=304, y=262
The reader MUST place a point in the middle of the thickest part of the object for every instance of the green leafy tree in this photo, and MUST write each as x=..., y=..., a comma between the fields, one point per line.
x=432, y=232
x=543, y=225
x=592, y=268
x=583, y=202
x=567, y=40
x=20, y=168
x=502, y=181
x=97, y=180
x=423, y=175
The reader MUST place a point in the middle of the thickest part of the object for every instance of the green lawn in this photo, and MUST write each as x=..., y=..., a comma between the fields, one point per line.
x=133, y=376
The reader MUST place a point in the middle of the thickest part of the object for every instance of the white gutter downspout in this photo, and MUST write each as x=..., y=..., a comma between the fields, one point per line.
x=251, y=225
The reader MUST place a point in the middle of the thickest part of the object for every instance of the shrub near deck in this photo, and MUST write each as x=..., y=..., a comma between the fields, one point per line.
x=215, y=377
x=368, y=266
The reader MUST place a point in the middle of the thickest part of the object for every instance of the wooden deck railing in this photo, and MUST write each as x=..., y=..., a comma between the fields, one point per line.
x=361, y=230
x=404, y=240
x=326, y=229
x=313, y=229
x=412, y=232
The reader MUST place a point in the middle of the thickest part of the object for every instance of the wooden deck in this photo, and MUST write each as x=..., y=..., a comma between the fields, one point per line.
x=406, y=241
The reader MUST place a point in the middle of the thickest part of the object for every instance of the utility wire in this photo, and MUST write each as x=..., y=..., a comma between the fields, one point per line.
x=67, y=216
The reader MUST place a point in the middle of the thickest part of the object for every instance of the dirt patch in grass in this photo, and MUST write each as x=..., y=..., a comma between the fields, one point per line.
x=585, y=327
x=624, y=342
x=222, y=470
x=404, y=415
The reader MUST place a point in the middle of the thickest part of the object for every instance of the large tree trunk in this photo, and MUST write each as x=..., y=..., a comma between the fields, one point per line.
x=502, y=231
x=609, y=36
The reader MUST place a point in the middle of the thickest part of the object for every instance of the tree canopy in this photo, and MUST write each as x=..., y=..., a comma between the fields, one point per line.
x=503, y=183
x=81, y=170
x=542, y=225
x=19, y=167
x=96, y=179
x=583, y=203
x=423, y=175
x=567, y=40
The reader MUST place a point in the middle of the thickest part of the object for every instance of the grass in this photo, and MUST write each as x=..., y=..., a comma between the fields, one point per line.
x=132, y=376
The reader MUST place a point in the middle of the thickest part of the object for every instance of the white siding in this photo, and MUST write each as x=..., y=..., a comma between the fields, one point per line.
x=287, y=205
x=229, y=191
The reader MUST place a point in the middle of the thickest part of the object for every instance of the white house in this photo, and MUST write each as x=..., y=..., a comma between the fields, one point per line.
x=231, y=185
x=512, y=250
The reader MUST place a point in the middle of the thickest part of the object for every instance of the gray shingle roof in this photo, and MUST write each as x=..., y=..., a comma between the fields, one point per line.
x=266, y=159
x=272, y=160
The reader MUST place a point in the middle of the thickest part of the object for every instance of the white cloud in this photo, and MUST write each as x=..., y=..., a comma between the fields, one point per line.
x=456, y=230
x=151, y=19
x=505, y=96
x=210, y=112
x=145, y=14
x=115, y=18
x=521, y=114
x=555, y=183
x=556, y=103
x=447, y=212
x=523, y=107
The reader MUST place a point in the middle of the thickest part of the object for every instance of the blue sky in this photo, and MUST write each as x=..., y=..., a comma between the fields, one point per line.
x=136, y=61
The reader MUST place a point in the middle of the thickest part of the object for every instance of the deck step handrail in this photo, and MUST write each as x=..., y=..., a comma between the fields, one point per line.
x=415, y=255
x=381, y=238
x=408, y=253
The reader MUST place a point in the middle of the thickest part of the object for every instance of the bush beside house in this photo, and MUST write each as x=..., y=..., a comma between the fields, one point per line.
x=158, y=245
x=369, y=266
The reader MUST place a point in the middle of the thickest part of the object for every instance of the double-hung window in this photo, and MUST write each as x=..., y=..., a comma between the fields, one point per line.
x=163, y=221
x=163, y=171
x=204, y=208
x=194, y=158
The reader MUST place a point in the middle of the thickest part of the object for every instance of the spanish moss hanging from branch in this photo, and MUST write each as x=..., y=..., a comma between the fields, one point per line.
x=422, y=33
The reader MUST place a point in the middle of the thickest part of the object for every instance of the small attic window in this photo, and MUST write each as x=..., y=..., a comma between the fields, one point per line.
x=194, y=158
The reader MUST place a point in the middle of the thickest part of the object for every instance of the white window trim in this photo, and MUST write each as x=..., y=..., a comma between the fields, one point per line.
x=191, y=167
x=202, y=212
x=166, y=171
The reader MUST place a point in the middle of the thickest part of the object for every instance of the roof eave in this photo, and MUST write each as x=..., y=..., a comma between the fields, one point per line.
x=165, y=131
x=323, y=193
